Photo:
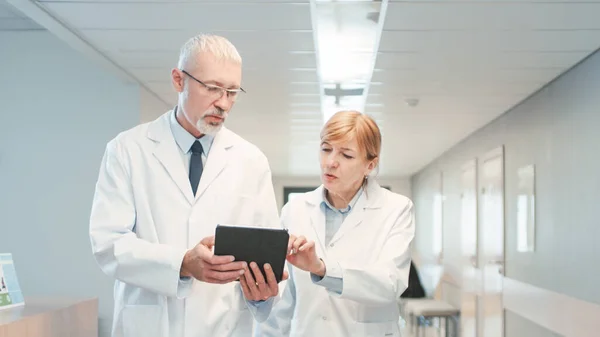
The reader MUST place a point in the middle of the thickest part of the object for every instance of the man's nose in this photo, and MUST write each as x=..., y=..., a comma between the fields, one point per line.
x=224, y=103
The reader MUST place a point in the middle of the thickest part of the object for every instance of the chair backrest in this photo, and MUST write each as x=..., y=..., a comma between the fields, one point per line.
x=415, y=288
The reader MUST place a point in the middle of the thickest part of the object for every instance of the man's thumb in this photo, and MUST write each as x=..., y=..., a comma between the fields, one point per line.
x=208, y=241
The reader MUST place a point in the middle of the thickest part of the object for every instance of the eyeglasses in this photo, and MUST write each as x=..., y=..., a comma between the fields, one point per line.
x=215, y=91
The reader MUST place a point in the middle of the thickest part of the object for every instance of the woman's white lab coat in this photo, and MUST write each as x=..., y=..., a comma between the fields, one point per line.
x=370, y=252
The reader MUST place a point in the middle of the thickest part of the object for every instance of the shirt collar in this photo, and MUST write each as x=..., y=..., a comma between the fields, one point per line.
x=325, y=203
x=184, y=139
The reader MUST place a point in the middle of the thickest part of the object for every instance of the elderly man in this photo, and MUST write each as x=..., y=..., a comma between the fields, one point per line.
x=162, y=189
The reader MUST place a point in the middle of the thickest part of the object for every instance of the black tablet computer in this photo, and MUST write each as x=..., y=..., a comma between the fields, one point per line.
x=254, y=244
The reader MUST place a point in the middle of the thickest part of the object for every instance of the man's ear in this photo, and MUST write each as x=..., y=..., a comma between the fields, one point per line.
x=177, y=80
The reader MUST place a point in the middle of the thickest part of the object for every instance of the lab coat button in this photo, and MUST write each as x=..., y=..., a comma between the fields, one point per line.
x=331, y=245
x=324, y=318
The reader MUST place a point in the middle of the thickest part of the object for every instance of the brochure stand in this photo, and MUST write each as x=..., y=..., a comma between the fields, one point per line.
x=10, y=291
x=42, y=316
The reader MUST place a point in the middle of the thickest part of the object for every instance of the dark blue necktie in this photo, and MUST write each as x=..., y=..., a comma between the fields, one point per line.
x=196, y=165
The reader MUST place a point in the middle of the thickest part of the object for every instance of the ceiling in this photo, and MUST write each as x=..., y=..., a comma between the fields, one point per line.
x=11, y=19
x=463, y=62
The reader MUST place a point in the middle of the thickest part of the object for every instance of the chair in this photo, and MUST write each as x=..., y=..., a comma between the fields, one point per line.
x=421, y=312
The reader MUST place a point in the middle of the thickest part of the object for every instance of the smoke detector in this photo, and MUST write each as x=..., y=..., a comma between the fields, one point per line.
x=412, y=102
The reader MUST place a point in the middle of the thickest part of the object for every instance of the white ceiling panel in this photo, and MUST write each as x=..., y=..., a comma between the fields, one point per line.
x=189, y=15
x=249, y=41
x=488, y=1
x=258, y=60
x=459, y=88
x=232, y=2
x=427, y=75
x=458, y=59
x=305, y=87
x=278, y=75
x=304, y=101
x=435, y=105
x=517, y=15
x=508, y=40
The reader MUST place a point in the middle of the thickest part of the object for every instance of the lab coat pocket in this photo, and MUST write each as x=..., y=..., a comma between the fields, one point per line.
x=375, y=314
x=380, y=321
x=380, y=329
x=142, y=320
x=235, y=209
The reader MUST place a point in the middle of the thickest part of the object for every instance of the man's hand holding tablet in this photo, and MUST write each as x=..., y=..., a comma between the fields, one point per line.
x=201, y=264
x=255, y=288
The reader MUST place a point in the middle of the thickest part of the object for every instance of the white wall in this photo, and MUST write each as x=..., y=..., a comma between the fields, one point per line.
x=150, y=106
x=557, y=129
x=398, y=185
x=57, y=111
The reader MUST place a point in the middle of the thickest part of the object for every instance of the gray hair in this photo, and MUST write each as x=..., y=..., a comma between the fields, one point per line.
x=216, y=45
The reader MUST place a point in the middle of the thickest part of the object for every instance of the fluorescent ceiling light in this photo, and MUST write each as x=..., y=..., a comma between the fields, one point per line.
x=346, y=43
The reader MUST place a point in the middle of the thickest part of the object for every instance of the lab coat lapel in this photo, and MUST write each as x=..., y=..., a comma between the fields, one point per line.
x=317, y=217
x=216, y=161
x=370, y=199
x=167, y=153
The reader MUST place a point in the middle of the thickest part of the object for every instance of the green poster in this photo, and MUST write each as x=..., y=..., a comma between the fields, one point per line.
x=5, y=300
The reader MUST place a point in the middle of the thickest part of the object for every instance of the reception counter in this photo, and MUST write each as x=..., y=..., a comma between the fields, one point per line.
x=51, y=317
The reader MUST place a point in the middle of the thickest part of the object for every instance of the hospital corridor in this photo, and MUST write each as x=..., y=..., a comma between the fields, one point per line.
x=299, y=168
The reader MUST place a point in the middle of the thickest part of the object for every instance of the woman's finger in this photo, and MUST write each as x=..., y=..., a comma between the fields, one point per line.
x=307, y=246
x=290, y=243
x=299, y=242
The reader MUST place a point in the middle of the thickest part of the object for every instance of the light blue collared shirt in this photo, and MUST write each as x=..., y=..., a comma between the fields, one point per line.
x=334, y=218
x=185, y=140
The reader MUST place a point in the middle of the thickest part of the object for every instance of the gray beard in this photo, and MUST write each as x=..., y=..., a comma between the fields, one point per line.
x=208, y=128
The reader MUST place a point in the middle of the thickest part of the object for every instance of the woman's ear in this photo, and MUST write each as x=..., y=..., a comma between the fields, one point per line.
x=372, y=164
